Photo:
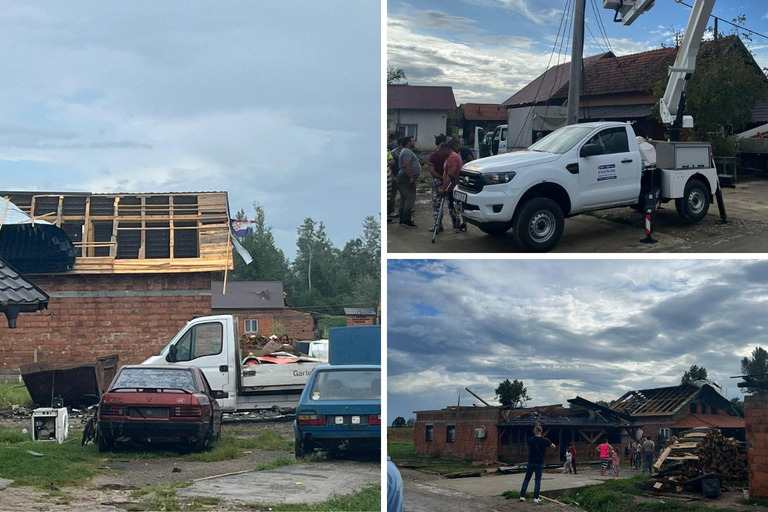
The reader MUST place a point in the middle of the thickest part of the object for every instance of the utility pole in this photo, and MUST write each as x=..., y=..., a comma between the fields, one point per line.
x=577, y=52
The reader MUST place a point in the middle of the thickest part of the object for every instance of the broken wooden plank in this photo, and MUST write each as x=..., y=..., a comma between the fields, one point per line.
x=662, y=457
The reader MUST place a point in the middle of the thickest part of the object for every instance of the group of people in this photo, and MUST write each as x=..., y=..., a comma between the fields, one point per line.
x=642, y=454
x=404, y=169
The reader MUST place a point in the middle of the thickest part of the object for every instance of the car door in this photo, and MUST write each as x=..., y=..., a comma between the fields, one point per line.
x=613, y=176
x=203, y=345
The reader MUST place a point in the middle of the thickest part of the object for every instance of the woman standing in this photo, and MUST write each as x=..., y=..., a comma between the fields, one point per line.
x=605, y=455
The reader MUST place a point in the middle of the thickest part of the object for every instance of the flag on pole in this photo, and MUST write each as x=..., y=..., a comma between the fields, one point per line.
x=243, y=228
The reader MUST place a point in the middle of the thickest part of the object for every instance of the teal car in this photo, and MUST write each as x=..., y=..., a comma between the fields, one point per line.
x=339, y=410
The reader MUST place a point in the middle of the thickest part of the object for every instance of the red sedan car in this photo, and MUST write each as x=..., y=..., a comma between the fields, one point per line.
x=159, y=403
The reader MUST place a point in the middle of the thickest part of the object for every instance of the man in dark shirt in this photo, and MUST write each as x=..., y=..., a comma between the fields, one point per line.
x=537, y=447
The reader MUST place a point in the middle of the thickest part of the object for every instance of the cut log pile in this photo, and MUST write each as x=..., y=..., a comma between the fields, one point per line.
x=699, y=452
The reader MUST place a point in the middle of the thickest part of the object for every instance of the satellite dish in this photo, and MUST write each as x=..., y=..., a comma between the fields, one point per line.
x=639, y=434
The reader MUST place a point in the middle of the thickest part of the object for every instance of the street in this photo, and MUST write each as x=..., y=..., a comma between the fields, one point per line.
x=615, y=230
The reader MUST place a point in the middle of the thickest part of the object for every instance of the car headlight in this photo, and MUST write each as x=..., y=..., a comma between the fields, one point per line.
x=496, y=178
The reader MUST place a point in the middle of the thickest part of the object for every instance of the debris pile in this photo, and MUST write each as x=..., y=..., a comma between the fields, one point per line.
x=698, y=453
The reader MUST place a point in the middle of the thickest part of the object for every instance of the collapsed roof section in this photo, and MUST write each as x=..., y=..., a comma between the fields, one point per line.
x=669, y=401
x=129, y=233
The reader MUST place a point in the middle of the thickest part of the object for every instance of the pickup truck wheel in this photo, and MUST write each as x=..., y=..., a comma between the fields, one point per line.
x=495, y=230
x=695, y=202
x=538, y=225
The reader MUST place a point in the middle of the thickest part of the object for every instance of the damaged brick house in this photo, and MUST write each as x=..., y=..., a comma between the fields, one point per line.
x=500, y=433
x=124, y=271
x=665, y=412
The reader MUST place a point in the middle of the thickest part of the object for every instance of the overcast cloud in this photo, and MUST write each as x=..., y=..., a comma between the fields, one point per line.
x=593, y=328
x=274, y=102
x=487, y=50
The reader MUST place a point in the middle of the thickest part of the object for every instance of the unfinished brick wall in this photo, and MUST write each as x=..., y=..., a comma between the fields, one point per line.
x=756, y=420
x=89, y=316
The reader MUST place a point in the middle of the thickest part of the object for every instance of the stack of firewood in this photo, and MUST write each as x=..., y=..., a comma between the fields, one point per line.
x=699, y=452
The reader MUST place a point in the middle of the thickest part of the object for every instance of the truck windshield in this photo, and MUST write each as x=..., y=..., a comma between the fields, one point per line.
x=347, y=385
x=562, y=140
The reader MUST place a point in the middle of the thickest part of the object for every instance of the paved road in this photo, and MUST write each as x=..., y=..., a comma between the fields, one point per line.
x=616, y=230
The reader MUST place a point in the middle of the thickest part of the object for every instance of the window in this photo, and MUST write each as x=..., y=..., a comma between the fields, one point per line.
x=407, y=130
x=251, y=325
x=664, y=433
x=347, y=385
x=450, y=434
x=430, y=433
x=612, y=140
x=201, y=340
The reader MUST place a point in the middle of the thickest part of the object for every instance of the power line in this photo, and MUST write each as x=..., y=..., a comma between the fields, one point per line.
x=740, y=27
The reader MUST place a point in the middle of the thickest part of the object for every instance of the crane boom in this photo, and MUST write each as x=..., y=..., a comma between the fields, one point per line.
x=672, y=104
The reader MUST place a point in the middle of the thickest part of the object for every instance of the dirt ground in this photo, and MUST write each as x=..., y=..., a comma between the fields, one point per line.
x=427, y=492
x=112, y=491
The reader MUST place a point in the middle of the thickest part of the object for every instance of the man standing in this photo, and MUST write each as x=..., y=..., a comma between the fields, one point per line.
x=435, y=166
x=394, y=168
x=394, y=488
x=451, y=168
x=410, y=169
x=537, y=447
x=464, y=152
x=648, y=450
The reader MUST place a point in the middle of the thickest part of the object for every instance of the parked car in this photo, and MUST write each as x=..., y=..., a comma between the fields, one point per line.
x=159, y=403
x=339, y=410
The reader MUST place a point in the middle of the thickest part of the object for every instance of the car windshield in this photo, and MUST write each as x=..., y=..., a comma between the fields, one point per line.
x=562, y=140
x=155, y=378
x=347, y=385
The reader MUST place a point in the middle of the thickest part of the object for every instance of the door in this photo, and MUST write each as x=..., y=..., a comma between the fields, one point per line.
x=613, y=176
x=480, y=146
x=204, y=345
x=503, y=140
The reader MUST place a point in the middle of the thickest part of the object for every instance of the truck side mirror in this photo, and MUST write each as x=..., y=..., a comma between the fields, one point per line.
x=591, y=150
x=172, y=353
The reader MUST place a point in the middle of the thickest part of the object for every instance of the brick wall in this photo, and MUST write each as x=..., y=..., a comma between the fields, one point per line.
x=298, y=325
x=89, y=316
x=464, y=422
x=756, y=420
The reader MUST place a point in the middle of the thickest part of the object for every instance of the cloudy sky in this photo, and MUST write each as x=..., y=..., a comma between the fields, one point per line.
x=274, y=102
x=489, y=49
x=592, y=328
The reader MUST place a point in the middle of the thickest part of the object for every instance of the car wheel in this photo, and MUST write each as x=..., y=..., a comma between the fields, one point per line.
x=205, y=443
x=695, y=201
x=302, y=449
x=495, y=230
x=106, y=444
x=538, y=225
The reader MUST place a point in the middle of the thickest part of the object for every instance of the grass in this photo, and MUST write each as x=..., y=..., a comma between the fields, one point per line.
x=231, y=447
x=70, y=463
x=367, y=499
x=285, y=460
x=672, y=505
x=14, y=394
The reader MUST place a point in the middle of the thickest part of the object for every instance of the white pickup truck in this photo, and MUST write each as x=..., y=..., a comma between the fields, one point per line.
x=580, y=168
x=212, y=343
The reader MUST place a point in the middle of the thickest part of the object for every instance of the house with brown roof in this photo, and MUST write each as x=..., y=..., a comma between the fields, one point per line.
x=18, y=295
x=614, y=88
x=485, y=116
x=261, y=310
x=419, y=111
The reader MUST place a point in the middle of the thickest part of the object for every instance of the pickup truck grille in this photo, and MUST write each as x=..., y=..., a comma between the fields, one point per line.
x=470, y=181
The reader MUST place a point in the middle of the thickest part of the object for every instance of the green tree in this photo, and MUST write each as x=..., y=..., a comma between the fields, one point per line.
x=410, y=422
x=398, y=422
x=693, y=373
x=725, y=88
x=756, y=367
x=315, y=268
x=395, y=75
x=512, y=393
x=269, y=263
x=738, y=404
